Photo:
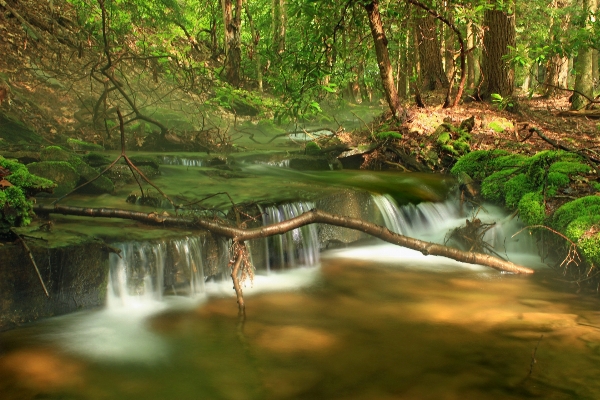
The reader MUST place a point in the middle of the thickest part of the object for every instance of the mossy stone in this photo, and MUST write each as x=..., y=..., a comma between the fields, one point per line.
x=80, y=145
x=55, y=153
x=60, y=172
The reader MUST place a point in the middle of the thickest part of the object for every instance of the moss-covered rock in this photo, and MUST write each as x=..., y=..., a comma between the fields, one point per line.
x=60, y=172
x=15, y=208
x=584, y=207
x=80, y=145
x=86, y=173
x=531, y=209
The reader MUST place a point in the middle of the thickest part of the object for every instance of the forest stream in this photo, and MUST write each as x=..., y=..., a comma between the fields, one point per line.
x=370, y=321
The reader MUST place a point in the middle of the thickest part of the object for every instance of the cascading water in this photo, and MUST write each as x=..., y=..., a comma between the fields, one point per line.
x=291, y=249
x=187, y=162
x=145, y=270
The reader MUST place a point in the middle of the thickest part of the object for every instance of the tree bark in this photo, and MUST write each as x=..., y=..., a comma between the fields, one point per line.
x=557, y=67
x=256, y=54
x=314, y=216
x=232, y=20
x=497, y=74
x=432, y=68
x=383, y=58
x=279, y=25
x=584, y=82
x=470, y=56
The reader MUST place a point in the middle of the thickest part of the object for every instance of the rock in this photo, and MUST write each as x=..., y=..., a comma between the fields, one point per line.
x=55, y=153
x=60, y=172
x=80, y=145
x=96, y=160
x=85, y=172
x=310, y=164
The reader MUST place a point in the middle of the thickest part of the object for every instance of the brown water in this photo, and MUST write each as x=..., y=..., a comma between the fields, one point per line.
x=358, y=330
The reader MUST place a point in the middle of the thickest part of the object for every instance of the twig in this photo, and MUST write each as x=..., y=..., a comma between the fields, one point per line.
x=533, y=360
x=32, y=261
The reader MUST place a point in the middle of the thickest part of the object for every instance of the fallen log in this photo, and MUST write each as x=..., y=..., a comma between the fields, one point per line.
x=240, y=235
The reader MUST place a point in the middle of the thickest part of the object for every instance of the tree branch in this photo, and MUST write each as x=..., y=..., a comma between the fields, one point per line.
x=310, y=217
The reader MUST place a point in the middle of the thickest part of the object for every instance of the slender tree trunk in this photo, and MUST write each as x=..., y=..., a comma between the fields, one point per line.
x=383, y=58
x=449, y=46
x=470, y=56
x=497, y=74
x=432, y=68
x=255, y=51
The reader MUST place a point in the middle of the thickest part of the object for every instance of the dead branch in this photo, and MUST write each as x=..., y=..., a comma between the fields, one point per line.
x=22, y=20
x=131, y=166
x=309, y=217
x=28, y=251
x=562, y=147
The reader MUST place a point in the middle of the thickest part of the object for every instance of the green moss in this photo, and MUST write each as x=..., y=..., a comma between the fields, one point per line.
x=312, y=148
x=569, y=168
x=492, y=187
x=80, y=145
x=476, y=163
x=389, y=135
x=584, y=207
x=443, y=138
x=531, y=209
x=515, y=188
x=584, y=231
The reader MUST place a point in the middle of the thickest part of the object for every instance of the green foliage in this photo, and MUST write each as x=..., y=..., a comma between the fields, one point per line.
x=502, y=103
x=531, y=209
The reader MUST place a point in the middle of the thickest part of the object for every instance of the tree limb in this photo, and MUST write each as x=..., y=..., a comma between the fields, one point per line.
x=309, y=217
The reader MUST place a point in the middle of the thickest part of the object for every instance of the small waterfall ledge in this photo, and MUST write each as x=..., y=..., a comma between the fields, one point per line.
x=149, y=270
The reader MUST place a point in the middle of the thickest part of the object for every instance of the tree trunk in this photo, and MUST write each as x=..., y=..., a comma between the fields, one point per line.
x=557, y=66
x=496, y=73
x=255, y=52
x=240, y=235
x=279, y=25
x=232, y=19
x=470, y=56
x=584, y=76
x=432, y=68
x=383, y=58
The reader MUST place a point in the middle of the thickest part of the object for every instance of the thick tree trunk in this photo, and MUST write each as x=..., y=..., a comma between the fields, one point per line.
x=497, y=74
x=557, y=66
x=584, y=76
x=232, y=19
x=383, y=58
x=240, y=235
x=432, y=68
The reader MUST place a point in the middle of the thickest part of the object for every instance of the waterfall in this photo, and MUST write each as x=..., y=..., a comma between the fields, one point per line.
x=145, y=270
x=187, y=162
x=433, y=222
x=291, y=249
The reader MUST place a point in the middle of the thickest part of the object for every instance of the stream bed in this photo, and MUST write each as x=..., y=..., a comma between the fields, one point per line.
x=368, y=322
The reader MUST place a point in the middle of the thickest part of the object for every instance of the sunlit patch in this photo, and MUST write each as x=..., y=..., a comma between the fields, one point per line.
x=41, y=369
x=291, y=339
